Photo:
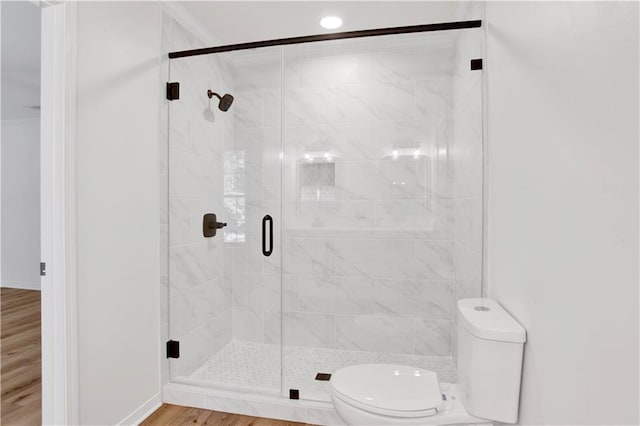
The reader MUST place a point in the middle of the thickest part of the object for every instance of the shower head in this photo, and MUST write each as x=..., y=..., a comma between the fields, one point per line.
x=225, y=101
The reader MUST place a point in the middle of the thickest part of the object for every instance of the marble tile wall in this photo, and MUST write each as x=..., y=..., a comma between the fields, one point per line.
x=374, y=263
x=257, y=140
x=196, y=290
x=369, y=265
x=466, y=157
x=467, y=165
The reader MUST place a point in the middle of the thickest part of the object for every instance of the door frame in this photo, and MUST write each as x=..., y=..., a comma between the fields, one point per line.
x=60, y=395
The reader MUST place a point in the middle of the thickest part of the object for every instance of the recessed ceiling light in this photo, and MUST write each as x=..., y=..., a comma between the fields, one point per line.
x=331, y=22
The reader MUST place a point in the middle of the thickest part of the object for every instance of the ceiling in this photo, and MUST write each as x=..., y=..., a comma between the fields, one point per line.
x=227, y=21
x=20, y=60
x=236, y=22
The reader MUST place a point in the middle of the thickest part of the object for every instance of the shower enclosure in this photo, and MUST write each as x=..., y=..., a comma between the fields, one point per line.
x=349, y=175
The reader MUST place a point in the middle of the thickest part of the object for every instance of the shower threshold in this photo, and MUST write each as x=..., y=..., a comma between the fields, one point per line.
x=256, y=366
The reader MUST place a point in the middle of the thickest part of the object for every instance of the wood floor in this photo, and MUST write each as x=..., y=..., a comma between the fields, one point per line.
x=20, y=357
x=169, y=415
x=20, y=370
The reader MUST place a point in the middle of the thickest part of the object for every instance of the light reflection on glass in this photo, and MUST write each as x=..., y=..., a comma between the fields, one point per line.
x=234, y=196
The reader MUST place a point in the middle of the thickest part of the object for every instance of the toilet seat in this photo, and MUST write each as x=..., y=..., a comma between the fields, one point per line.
x=389, y=389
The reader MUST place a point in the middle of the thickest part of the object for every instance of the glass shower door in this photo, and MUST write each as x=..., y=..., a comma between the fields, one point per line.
x=381, y=233
x=224, y=290
x=349, y=176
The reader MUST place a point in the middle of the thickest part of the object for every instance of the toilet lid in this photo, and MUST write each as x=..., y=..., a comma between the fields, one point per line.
x=390, y=389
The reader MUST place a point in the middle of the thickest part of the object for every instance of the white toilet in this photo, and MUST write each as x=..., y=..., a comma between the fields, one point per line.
x=489, y=360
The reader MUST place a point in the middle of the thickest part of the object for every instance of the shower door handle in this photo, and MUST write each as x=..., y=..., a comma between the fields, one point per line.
x=266, y=219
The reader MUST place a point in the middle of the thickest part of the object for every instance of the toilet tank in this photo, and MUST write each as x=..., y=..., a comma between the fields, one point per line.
x=490, y=344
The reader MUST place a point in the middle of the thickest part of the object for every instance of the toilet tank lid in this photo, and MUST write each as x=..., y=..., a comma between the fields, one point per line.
x=486, y=319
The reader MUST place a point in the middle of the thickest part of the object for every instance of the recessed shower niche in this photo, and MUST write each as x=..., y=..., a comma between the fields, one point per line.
x=367, y=155
x=317, y=179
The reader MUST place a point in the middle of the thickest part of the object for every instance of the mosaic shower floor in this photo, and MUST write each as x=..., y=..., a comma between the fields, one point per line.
x=256, y=366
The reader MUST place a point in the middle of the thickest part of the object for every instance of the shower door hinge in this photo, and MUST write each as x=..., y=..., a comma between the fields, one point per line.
x=173, y=349
x=43, y=269
x=173, y=91
x=476, y=64
x=294, y=394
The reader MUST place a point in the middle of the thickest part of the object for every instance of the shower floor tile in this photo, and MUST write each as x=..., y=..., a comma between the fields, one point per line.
x=256, y=366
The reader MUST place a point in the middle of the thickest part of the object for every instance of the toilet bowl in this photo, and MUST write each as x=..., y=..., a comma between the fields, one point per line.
x=388, y=394
x=489, y=361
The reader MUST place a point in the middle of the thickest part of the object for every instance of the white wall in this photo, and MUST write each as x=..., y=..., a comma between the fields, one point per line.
x=117, y=195
x=20, y=63
x=21, y=203
x=20, y=145
x=563, y=202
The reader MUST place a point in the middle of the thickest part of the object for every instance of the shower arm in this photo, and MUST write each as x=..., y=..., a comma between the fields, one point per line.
x=211, y=94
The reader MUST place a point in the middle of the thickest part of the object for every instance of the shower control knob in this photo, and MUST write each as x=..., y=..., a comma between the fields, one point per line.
x=210, y=224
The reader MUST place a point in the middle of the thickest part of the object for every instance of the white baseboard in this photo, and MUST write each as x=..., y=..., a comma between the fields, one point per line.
x=23, y=286
x=144, y=411
x=282, y=408
x=273, y=407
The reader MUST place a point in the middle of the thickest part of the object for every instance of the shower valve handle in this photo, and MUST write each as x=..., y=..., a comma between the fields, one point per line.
x=210, y=224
